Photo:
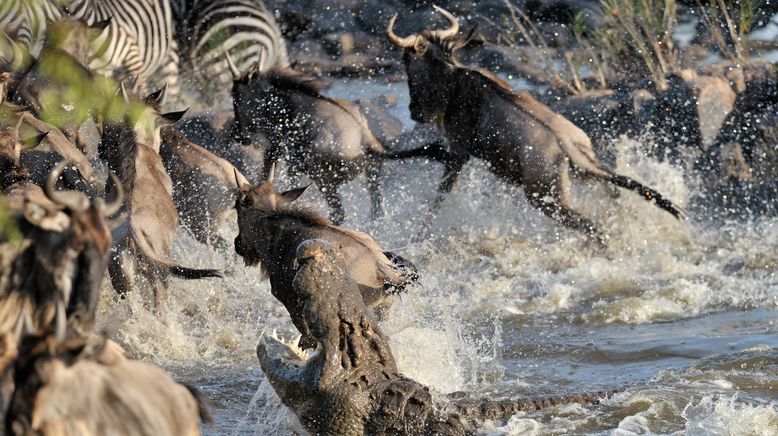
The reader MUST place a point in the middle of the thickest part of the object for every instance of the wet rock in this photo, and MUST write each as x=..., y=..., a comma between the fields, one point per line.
x=715, y=100
x=605, y=115
x=564, y=11
x=373, y=15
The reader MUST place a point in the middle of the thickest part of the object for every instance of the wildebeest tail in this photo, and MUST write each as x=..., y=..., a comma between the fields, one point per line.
x=176, y=270
x=647, y=193
x=202, y=407
x=483, y=409
x=193, y=273
x=435, y=150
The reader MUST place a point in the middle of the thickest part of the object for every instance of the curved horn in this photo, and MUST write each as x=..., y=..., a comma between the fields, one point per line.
x=272, y=174
x=114, y=206
x=125, y=96
x=237, y=179
x=445, y=33
x=18, y=126
x=233, y=69
x=73, y=200
x=406, y=42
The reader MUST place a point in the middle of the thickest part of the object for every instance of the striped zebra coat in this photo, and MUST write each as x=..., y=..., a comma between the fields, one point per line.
x=206, y=29
x=24, y=22
x=137, y=44
x=139, y=41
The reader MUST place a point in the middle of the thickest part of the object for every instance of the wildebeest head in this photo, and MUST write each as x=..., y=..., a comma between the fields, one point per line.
x=147, y=122
x=259, y=99
x=253, y=205
x=429, y=60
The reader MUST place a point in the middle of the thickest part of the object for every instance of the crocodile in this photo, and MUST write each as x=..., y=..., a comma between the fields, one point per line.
x=351, y=385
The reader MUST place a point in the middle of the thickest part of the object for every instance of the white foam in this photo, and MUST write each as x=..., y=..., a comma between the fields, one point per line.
x=727, y=415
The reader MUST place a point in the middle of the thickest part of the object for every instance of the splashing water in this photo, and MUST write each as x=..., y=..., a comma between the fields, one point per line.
x=680, y=315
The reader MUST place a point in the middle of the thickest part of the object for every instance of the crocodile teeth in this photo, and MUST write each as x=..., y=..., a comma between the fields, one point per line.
x=279, y=348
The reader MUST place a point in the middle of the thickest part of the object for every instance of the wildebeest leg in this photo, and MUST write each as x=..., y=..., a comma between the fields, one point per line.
x=553, y=199
x=159, y=284
x=330, y=192
x=122, y=272
x=373, y=173
x=454, y=165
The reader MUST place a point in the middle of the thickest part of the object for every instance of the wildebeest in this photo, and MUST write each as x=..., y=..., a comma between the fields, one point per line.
x=85, y=385
x=15, y=179
x=142, y=242
x=56, y=270
x=523, y=141
x=325, y=138
x=44, y=146
x=204, y=185
x=271, y=228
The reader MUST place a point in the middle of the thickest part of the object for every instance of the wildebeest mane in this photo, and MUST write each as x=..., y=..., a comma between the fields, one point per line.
x=287, y=78
x=305, y=215
x=120, y=150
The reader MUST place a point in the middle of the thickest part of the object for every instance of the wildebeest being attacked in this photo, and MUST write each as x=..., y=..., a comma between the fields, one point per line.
x=324, y=138
x=522, y=140
x=271, y=228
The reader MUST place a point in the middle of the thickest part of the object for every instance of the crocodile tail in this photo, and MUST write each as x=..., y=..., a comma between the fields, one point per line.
x=483, y=409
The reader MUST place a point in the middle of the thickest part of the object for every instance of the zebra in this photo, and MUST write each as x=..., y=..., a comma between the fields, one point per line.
x=246, y=29
x=23, y=22
x=138, y=43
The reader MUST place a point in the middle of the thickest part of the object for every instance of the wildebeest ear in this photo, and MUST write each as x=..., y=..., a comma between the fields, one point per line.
x=173, y=117
x=157, y=97
x=291, y=195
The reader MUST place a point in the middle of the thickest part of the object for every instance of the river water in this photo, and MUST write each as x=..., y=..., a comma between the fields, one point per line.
x=682, y=316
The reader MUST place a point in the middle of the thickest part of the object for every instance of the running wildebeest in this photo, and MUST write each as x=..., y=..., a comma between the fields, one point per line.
x=523, y=141
x=142, y=243
x=271, y=228
x=324, y=138
x=204, y=185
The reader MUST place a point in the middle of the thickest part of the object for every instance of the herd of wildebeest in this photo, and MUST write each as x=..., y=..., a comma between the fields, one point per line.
x=103, y=188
